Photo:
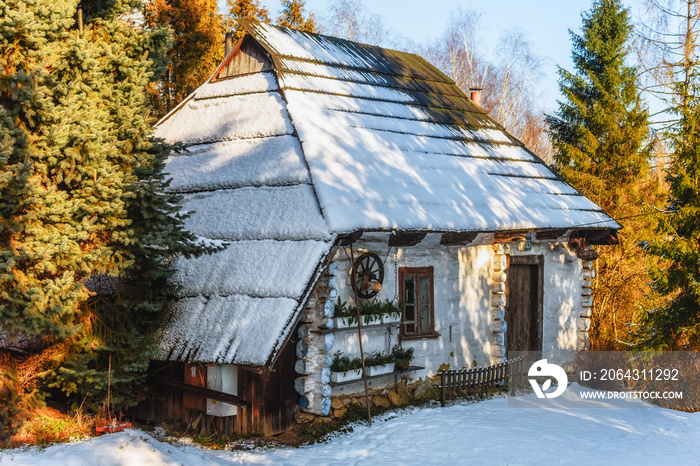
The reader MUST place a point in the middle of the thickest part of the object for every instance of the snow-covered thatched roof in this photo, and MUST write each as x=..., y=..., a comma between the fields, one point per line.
x=309, y=137
x=245, y=182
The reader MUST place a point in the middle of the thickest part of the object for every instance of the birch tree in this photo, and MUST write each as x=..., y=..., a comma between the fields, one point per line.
x=508, y=74
x=352, y=20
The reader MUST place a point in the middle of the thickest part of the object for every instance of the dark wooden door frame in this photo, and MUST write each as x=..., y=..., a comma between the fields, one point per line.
x=537, y=260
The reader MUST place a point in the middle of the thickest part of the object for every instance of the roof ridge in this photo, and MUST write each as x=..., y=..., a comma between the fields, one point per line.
x=248, y=24
x=253, y=27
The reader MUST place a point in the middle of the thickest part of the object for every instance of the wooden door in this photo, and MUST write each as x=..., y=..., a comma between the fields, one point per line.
x=523, y=310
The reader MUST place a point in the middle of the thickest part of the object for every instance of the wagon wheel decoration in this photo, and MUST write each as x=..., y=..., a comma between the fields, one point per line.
x=367, y=275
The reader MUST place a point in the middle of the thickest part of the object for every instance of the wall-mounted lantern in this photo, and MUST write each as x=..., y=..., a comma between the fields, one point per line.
x=525, y=244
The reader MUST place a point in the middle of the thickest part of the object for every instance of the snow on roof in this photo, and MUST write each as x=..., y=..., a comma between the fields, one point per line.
x=264, y=269
x=245, y=182
x=224, y=118
x=240, y=304
x=229, y=324
x=273, y=161
x=339, y=137
x=248, y=84
x=281, y=213
x=392, y=143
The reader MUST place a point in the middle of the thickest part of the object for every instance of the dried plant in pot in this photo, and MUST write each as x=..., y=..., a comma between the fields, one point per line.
x=402, y=356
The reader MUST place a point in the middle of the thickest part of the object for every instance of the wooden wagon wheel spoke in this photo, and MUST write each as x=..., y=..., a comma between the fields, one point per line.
x=368, y=265
x=373, y=270
x=362, y=269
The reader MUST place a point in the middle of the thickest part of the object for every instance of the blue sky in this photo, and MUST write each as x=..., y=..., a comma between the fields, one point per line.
x=545, y=23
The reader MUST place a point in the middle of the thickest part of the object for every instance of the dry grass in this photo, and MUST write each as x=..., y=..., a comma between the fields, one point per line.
x=47, y=426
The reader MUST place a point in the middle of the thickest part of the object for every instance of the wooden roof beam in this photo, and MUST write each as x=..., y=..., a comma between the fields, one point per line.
x=201, y=391
x=508, y=236
x=347, y=240
x=597, y=237
x=458, y=239
x=550, y=234
x=403, y=239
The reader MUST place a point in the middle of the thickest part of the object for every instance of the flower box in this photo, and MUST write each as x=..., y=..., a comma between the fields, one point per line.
x=345, y=322
x=347, y=376
x=380, y=370
x=393, y=318
x=371, y=319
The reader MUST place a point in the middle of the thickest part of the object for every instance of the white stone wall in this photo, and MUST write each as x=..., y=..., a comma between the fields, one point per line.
x=467, y=302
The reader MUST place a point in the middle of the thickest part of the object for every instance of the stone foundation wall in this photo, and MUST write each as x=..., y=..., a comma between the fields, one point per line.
x=401, y=394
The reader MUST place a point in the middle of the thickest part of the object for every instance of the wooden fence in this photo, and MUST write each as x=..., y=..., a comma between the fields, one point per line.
x=479, y=379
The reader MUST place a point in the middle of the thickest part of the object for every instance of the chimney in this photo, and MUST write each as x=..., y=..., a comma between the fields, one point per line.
x=228, y=41
x=476, y=95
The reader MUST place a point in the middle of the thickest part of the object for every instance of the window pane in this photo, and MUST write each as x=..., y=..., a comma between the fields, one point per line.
x=409, y=316
x=410, y=290
x=424, y=289
x=415, y=293
x=425, y=318
x=424, y=298
x=409, y=313
x=409, y=304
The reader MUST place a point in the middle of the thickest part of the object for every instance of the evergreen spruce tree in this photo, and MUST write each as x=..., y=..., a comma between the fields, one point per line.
x=601, y=146
x=293, y=16
x=64, y=179
x=196, y=50
x=81, y=200
x=20, y=73
x=600, y=129
x=676, y=324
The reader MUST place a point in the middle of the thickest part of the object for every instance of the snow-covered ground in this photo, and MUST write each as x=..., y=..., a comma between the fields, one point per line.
x=488, y=432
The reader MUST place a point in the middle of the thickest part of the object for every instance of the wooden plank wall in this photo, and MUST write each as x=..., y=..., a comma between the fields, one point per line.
x=195, y=375
x=282, y=401
x=248, y=58
x=162, y=404
x=273, y=406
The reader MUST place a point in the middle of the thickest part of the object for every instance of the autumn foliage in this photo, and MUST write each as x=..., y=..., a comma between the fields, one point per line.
x=197, y=48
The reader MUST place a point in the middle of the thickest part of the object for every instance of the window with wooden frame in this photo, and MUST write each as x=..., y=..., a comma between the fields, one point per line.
x=416, y=294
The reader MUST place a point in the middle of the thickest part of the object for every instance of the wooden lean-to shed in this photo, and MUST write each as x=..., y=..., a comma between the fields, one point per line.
x=305, y=151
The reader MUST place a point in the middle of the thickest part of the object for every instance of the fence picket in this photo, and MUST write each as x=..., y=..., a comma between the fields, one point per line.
x=479, y=379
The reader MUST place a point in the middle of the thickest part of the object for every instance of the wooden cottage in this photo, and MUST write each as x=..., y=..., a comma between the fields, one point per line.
x=309, y=154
